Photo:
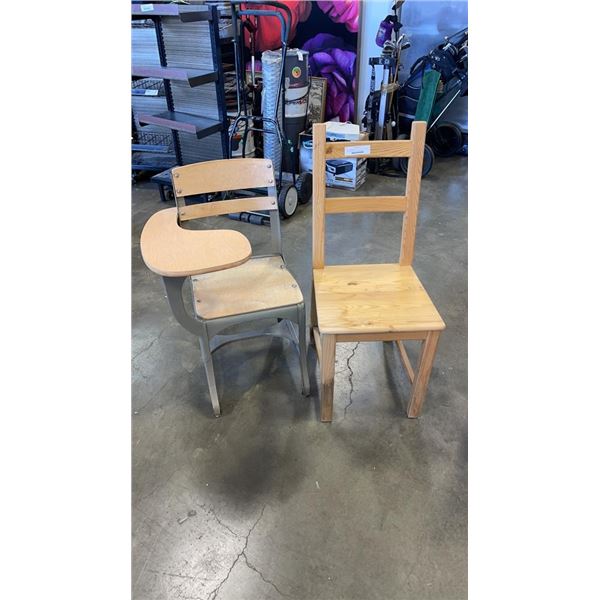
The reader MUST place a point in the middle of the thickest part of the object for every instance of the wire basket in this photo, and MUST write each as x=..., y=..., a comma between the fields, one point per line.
x=154, y=138
x=148, y=83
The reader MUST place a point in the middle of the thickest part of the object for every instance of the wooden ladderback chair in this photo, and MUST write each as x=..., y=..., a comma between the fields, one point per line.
x=229, y=285
x=371, y=302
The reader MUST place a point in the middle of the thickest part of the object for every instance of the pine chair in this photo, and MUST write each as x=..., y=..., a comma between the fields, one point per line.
x=364, y=303
x=229, y=285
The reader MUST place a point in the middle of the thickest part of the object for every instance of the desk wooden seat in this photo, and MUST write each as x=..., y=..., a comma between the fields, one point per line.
x=372, y=299
x=261, y=283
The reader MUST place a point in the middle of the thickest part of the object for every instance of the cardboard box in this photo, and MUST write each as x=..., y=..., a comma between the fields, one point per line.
x=345, y=173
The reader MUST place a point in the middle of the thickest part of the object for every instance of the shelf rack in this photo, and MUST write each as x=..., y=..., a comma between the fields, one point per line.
x=171, y=70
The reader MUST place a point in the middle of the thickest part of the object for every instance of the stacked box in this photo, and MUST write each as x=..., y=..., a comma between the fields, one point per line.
x=344, y=173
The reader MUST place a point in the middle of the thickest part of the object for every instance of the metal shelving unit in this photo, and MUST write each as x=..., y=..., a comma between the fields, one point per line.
x=191, y=113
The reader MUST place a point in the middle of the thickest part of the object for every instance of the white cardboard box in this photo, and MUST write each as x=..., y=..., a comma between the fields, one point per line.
x=346, y=173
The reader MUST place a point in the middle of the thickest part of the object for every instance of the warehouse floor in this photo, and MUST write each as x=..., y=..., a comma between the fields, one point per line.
x=372, y=506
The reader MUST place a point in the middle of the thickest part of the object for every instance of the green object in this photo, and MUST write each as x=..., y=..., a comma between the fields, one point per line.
x=427, y=96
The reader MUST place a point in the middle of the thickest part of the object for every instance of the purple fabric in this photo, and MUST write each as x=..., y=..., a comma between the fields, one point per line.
x=331, y=58
x=342, y=11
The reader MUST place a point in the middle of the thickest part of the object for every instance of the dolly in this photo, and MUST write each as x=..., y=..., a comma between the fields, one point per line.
x=288, y=194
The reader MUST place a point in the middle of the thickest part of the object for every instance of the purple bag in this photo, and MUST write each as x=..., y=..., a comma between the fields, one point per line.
x=384, y=33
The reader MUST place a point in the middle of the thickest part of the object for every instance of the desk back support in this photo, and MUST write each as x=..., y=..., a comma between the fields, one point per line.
x=225, y=176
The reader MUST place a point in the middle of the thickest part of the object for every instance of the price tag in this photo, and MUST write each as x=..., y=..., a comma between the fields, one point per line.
x=146, y=7
x=355, y=150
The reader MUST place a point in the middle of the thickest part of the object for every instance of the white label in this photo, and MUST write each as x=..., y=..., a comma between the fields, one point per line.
x=146, y=7
x=150, y=92
x=354, y=150
x=300, y=56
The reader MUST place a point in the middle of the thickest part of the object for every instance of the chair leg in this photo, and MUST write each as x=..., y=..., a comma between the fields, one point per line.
x=313, y=314
x=327, y=376
x=210, y=373
x=302, y=349
x=419, y=388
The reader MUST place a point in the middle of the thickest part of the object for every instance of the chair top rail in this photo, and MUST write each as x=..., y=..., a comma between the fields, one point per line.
x=222, y=175
x=369, y=149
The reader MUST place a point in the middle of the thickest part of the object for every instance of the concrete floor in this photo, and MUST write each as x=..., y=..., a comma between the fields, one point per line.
x=373, y=506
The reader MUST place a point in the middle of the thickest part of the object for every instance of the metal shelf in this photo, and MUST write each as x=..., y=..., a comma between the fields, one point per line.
x=146, y=161
x=187, y=14
x=199, y=126
x=176, y=72
x=194, y=77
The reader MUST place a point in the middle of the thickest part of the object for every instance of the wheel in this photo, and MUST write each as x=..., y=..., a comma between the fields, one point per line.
x=428, y=160
x=304, y=187
x=287, y=201
x=397, y=162
x=372, y=164
x=447, y=139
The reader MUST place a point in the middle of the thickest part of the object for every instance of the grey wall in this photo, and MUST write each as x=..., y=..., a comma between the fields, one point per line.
x=426, y=22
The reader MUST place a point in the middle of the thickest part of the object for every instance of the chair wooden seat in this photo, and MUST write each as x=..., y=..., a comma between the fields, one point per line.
x=375, y=298
x=261, y=283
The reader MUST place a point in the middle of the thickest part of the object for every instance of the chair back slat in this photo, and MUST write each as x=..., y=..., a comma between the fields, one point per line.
x=408, y=204
x=358, y=204
x=225, y=207
x=222, y=175
x=370, y=149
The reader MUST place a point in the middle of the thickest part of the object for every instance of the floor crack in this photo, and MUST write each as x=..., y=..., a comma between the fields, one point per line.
x=156, y=395
x=170, y=574
x=214, y=593
x=251, y=566
x=146, y=348
x=211, y=510
x=350, y=380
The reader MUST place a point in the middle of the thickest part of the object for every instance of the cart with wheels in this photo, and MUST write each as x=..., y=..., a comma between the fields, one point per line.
x=435, y=82
x=299, y=191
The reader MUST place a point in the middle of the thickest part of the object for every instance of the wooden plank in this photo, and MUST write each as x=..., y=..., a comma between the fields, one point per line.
x=171, y=251
x=360, y=204
x=406, y=361
x=318, y=201
x=422, y=379
x=413, y=188
x=224, y=207
x=222, y=175
x=372, y=149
